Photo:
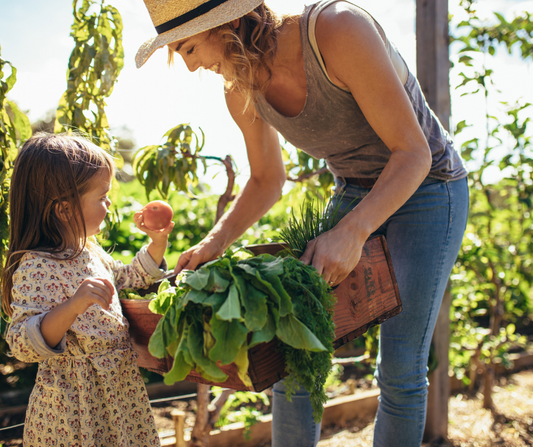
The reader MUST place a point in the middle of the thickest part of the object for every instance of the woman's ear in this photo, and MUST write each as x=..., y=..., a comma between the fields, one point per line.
x=236, y=23
x=62, y=210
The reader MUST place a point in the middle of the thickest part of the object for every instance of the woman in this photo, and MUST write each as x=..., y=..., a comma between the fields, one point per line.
x=332, y=84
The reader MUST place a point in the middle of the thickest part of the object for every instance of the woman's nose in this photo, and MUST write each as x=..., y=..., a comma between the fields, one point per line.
x=192, y=63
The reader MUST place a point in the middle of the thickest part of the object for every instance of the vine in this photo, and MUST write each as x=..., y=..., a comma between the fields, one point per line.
x=93, y=68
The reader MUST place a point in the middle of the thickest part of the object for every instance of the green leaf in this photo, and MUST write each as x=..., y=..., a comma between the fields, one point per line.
x=231, y=309
x=266, y=333
x=216, y=283
x=229, y=336
x=294, y=333
x=197, y=279
x=206, y=367
x=156, y=344
x=20, y=121
x=255, y=304
x=164, y=285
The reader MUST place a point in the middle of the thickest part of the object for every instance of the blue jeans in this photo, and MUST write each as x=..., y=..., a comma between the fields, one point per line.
x=423, y=237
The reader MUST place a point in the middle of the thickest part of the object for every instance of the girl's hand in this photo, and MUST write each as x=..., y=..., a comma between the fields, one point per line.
x=155, y=235
x=205, y=251
x=334, y=254
x=158, y=245
x=92, y=291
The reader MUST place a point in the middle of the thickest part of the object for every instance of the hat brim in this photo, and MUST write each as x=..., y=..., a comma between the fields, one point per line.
x=224, y=13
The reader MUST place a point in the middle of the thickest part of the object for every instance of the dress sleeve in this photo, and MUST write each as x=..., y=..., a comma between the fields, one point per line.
x=37, y=289
x=142, y=272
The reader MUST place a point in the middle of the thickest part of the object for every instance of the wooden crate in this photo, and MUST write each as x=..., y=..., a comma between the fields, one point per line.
x=368, y=296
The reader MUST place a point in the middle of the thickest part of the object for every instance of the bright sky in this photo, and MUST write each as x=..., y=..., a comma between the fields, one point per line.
x=34, y=36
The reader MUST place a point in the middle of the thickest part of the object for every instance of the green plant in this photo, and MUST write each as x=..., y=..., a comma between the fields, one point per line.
x=241, y=407
x=493, y=277
x=93, y=69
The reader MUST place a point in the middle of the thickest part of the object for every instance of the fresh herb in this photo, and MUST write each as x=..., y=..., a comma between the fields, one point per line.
x=315, y=218
x=209, y=316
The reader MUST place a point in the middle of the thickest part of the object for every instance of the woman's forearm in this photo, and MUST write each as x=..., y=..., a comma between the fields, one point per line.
x=250, y=205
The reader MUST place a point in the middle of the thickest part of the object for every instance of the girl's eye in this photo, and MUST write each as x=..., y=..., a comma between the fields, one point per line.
x=191, y=50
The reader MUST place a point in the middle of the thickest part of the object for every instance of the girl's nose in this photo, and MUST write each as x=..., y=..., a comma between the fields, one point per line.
x=108, y=202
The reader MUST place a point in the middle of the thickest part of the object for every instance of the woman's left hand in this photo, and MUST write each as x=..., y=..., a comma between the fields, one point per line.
x=335, y=253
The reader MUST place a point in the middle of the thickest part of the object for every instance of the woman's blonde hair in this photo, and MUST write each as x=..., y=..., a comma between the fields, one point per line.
x=250, y=49
x=50, y=175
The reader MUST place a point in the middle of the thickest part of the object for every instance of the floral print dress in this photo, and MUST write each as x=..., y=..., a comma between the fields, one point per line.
x=88, y=390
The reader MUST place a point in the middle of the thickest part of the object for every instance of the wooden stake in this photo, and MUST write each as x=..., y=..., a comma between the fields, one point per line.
x=179, y=425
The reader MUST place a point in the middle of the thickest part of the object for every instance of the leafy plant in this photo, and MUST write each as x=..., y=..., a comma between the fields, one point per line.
x=241, y=407
x=208, y=318
x=315, y=218
x=493, y=277
x=93, y=69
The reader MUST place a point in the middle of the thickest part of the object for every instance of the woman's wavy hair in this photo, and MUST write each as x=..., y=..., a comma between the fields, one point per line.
x=50, y=175
x=250, y=49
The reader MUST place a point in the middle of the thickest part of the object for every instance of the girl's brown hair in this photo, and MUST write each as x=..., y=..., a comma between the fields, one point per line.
x=250, y=50
x=50, y=175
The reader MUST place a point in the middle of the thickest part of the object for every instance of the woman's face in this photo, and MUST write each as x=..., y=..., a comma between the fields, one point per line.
x=204, y=50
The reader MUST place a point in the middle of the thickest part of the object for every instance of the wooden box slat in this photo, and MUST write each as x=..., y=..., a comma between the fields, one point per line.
x=368, y=296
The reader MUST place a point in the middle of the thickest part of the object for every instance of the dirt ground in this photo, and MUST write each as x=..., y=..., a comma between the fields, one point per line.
x=469, y=424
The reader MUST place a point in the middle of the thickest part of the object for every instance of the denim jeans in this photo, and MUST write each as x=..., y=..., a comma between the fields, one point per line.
x=423, y=237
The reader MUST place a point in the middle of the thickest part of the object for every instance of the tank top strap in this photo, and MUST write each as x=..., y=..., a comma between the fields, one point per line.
x=397, y=61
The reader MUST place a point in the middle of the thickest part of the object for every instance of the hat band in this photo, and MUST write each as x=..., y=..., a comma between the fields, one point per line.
x=188, y=16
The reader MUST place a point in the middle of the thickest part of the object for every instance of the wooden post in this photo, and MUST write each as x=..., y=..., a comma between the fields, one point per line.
x=179, y=425
x=433, y=67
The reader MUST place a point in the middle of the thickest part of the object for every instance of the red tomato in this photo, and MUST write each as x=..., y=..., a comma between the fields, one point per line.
x=157, y=215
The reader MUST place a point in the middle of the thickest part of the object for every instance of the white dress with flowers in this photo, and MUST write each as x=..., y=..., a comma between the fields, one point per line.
x=88, y=390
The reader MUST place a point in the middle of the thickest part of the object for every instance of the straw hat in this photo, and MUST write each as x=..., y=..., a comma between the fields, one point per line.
x=177, y=19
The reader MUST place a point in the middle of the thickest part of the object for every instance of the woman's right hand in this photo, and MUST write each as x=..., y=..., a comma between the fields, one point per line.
x=92, y=291
x=205, y=251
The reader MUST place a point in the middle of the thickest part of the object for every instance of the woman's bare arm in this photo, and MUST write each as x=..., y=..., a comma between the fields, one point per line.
x=356, y=57
x=260, y=193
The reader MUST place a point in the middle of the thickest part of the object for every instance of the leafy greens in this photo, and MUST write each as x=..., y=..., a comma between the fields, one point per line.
x=227, y=306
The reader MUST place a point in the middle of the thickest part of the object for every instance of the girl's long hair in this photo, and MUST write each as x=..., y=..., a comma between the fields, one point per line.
x=250, y=50
x=50, y=175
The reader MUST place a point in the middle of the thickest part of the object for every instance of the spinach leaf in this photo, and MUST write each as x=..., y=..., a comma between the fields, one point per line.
x=296, y=334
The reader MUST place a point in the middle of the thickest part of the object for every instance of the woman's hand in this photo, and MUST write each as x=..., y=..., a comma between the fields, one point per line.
x=91, y=291
x=335, y=253
x=159, y=238
x=207, y=250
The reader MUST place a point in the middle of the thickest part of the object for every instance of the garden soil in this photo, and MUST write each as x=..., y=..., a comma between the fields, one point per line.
x=469, y=424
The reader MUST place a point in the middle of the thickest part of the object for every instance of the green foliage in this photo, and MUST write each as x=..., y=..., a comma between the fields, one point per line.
x=14, y=129
x=172, y=165
x=310, y=175
x=208, y=317
x=93, y=68
x=315, y=218
x=241, y=407
x=493, y=277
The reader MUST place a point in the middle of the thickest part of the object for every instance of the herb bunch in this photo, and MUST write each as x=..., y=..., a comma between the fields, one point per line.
x=316, y=217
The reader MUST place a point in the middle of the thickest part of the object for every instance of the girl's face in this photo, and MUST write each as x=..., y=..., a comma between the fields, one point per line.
x=95, y=203
x=204, y=50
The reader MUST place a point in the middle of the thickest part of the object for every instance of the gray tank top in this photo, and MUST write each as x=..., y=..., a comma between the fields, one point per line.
x=332, y=126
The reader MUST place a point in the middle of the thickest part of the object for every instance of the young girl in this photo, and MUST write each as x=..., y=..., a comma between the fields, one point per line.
x=60, y=289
